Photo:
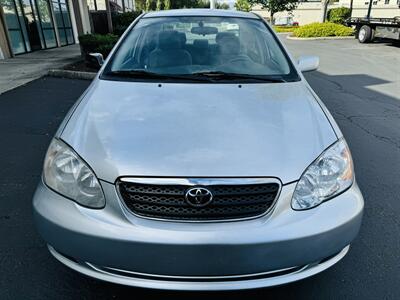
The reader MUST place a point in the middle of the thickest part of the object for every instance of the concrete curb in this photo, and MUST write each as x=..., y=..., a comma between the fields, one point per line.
x=71, y=74
x=289, y=37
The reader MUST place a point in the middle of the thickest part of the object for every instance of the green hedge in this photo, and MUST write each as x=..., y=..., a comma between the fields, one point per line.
x=338, y=15
x=97, y=43
x=121, y=21
x=285, y=28
x=322, y=30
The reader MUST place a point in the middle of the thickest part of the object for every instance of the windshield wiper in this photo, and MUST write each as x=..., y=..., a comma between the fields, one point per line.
x=209, y=76
x=231, y=76
x=152, y=75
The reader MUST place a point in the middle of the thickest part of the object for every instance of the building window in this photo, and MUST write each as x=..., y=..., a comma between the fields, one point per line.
x=115, y=5
x=14, y=26
x=47, y=25
x=92, y=4
x=63, y=21
x=29, y=24
x=128, y=5
x=387, y=1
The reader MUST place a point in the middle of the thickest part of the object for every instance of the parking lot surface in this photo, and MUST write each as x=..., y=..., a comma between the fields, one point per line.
x=360, y=84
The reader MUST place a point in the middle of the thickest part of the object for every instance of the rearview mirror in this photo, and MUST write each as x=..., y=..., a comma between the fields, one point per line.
x=204, y=30
x=98, y=57
x=308, y=63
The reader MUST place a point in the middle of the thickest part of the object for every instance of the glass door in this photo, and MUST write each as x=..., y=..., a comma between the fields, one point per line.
x=32, y=25
x=14, y=26
x=46, y=21
x=63, y=21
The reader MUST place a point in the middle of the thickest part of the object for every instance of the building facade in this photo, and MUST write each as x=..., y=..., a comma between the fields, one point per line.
x=31, y=25
x=310, y=11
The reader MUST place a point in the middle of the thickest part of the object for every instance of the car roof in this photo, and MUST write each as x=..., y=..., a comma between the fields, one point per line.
x=200, y=12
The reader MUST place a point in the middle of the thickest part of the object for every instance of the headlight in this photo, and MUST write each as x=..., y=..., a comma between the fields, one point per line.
x=330, y=174
x=66, y=173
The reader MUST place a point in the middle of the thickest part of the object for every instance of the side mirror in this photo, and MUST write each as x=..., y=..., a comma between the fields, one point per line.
x=308, y=63
x=98, y=57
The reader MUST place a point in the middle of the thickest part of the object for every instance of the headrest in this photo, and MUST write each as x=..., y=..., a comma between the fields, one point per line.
x=200, y=43
x=182, y=36
x=222, y=35
x=229, y=44
x=169, y=40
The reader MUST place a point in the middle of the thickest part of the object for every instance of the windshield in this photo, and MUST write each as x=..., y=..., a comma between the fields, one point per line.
x=198, y=45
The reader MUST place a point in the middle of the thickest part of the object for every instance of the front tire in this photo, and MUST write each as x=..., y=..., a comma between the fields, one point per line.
x=365, y=34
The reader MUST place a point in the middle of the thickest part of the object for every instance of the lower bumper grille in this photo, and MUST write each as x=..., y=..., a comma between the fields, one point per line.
x=168, y=198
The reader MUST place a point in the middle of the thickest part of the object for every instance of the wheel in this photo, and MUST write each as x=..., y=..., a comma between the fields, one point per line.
x=365, y=34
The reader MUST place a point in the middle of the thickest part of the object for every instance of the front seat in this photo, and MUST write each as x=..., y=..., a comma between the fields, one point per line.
x=200, y=53
x=169, y=51
x=228, y=47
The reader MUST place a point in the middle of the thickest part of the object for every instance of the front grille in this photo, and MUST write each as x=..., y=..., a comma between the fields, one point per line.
x=236, y=200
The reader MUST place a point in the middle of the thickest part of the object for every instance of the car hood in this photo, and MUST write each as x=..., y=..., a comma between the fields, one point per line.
x=197, y=130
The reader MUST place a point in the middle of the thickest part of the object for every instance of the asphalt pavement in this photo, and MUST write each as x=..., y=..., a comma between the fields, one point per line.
x=360, y=84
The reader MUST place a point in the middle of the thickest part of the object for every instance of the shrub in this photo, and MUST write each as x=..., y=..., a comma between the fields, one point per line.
x=285, y=28
x=339, y=15
x=322, y=30
x=97, y=43
x=121, y=21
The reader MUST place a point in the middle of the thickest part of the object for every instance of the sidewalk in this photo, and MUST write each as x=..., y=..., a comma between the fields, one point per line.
x=27, y=67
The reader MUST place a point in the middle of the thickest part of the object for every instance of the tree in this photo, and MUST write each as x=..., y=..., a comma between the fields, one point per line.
x=274, y=6
x=140, y=5
x=187, y=4
x=222, y=5
x=148, y=5
x=242, y=5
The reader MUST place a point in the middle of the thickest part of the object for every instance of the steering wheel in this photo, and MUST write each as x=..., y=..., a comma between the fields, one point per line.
x=240, y=58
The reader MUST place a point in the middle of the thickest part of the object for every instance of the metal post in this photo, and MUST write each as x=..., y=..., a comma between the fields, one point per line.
x=369, y=9
x=351, y=7
x=212, y=4
x=109, y=19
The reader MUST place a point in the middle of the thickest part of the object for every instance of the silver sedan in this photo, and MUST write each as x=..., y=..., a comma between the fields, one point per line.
x=199, y=159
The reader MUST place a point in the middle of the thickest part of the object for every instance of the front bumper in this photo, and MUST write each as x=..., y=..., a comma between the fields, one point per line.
x=249, y=281
x=113, y=245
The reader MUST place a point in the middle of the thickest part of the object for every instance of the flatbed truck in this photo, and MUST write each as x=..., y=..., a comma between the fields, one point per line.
x=367, y=28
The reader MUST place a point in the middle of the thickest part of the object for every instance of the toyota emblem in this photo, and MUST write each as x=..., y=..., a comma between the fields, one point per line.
x=198, y=197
